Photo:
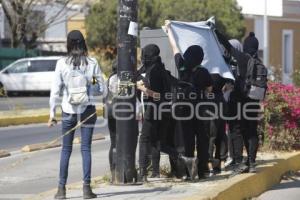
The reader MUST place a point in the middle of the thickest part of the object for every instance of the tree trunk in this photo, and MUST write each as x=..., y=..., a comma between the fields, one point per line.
x=15, y=41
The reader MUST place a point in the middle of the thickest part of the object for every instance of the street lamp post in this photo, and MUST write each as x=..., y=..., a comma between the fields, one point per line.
x=266, y=36
x=127, y=126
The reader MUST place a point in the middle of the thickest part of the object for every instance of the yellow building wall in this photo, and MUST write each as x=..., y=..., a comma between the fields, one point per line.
x=275, y=42
x=77, y=24
x=249, y=24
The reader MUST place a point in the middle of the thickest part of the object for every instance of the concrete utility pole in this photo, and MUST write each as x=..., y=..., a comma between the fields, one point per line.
x=127, y=126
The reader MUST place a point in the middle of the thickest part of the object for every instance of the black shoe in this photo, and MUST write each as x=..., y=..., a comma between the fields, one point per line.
x=216, y=165
x=252, y=168
x=239, y=169
x=202, y=176
x=217, y=170
x=87, y=192
x=61, y=193
x=246, y=161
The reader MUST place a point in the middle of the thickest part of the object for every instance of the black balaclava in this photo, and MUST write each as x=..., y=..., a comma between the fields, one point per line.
x=150, y=54
x=251, y=44
x=193, y=56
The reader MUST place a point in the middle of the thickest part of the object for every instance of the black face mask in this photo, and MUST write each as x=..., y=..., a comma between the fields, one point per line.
x=150, y=61
x=150, y=54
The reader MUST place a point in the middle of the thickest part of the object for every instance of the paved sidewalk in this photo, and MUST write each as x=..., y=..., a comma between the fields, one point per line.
x=217, y=187
x=162, y=189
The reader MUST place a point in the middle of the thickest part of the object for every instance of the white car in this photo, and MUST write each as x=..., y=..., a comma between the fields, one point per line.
x=29, y=75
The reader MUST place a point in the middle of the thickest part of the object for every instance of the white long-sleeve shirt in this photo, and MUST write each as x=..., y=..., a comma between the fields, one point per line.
x=62, y=71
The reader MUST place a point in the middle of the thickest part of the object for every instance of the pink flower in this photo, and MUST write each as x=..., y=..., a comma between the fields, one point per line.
x=290, y=125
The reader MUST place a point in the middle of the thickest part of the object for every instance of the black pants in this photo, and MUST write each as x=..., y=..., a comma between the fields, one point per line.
x=218, y=144
x=196, y=136
x=157, y=136
x=148, y=128
x=113, y=135
x=243, y=130
x=249, y=130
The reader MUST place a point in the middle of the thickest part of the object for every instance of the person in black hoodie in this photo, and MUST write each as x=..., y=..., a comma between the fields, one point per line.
x=152, y=87
x=244, y=128
x=154, y=129
x=191, y=71
x=157, y=133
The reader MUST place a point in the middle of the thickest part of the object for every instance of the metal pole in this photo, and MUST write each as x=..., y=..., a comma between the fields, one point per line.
x=266, y=36
x=127, y=126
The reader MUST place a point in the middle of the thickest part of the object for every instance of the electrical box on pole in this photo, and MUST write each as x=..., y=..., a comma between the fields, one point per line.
x=127, y=126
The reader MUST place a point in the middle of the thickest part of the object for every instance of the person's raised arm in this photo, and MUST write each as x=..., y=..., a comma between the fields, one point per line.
x=171, y=37
x=223, y=40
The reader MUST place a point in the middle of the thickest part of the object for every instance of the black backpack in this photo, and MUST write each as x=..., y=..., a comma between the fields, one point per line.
x=184, y=91
x=180, y=90
x=255, y=83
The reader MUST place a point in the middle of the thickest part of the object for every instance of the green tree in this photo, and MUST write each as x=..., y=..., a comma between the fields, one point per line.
x=229, y=19
x=101, y=23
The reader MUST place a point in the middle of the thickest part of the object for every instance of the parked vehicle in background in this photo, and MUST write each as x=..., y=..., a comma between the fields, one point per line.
x=28, y=75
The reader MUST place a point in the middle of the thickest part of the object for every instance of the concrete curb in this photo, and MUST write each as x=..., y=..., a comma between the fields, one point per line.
x=246, y=186
x=40, y=116
x=39, y=146
x=4, y=154
x=19, y=120
x=42, y=146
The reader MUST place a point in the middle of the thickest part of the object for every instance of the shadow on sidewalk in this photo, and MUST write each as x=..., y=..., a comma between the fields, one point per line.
x=123, y=193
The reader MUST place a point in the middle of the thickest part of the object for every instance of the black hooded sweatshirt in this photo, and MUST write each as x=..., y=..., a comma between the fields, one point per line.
x=154, y=70
x=198, y=76
x=242, y=58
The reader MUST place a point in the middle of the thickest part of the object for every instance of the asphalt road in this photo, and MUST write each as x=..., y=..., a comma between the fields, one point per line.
x=14, y=137
x=288, y=189
x=23, y=102
x=33, y=173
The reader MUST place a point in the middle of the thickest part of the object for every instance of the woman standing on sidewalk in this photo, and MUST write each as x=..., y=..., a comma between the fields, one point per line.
x=78, y=78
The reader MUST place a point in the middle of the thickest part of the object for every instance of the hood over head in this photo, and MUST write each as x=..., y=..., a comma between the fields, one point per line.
x=193, y=56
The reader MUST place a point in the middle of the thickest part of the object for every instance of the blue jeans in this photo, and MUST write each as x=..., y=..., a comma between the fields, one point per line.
x=69, y=121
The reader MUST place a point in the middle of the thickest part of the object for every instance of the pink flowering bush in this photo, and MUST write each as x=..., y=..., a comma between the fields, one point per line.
x=281, y=123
